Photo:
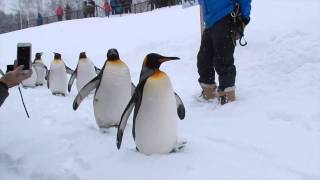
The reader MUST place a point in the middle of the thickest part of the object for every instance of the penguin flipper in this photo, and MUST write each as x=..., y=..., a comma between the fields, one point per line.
x=45, y=67
x=71, y=80
x=1, y=72
x=85, y=91
x=180, y=107
x=47, y=76
x=133, y=88
x=97, y=69
x=124, y=119
x=69, y=70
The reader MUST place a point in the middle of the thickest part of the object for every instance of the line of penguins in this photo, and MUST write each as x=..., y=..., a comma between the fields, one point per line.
x=156, y=107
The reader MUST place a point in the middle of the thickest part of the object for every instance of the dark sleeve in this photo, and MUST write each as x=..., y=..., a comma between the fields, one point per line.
x=3, y=92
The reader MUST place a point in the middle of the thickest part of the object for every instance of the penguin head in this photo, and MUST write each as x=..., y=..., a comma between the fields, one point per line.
x=38, y=56
x=57, y=56
x=153, y=60
x=113, y=55
x=82, y=55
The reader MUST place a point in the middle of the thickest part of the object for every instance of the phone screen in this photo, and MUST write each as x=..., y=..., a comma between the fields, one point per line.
x=24, y=56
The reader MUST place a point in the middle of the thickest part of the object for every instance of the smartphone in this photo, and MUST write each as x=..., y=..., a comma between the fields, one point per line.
x=10, y=68
x=24, y=55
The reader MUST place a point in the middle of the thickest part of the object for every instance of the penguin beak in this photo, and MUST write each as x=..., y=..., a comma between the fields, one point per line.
x=164, y=59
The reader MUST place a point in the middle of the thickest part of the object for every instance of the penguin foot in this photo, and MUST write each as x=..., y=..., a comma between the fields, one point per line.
x=108, y=129
x=114, y=126
x=27, y=87
x=59, y=94
x=179, y=146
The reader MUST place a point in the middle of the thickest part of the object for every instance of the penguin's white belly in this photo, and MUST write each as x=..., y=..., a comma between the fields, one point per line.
x=58, y=78
x=86, y=73
x=112, y=96
x=156, y=121
x=31, y=82
x=41, y=73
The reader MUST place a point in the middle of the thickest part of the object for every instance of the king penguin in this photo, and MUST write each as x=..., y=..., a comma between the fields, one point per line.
x=57, y=76
x=156, y=110
x=84, y=72
x=41, y=69
x=113, y=91
x=31, y=81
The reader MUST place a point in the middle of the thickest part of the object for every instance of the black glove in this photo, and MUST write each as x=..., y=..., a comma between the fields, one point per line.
x=245, y=20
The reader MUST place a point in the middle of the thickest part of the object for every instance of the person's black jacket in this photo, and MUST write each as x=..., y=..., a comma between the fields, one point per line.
x=68, y=12
x=3, y=92
x=39, y=19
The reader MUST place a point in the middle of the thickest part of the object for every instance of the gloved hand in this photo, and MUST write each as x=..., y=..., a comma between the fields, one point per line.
x=245, y=20
x=239, y=26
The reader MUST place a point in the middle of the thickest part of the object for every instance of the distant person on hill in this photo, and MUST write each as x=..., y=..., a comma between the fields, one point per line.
x=113, y=4
x=119, y=7
x=107, y=8
x=68, y=12
x=171, y=2
x=162, y=3
x=152, y=4
x=127, y=6
x=158, y=3
x=91, y=5
x=217, y=48
x=59, y=13
x=84, y=9
x=11, y=79
x=39, y=19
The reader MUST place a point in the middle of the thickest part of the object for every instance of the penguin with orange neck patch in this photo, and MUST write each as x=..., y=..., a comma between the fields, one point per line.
x=156, y=110
x=84, y=72
x=113, y=91
x=57, y=76
x=41, y=69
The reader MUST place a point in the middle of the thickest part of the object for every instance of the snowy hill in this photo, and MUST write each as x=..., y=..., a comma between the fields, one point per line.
x=271, y=132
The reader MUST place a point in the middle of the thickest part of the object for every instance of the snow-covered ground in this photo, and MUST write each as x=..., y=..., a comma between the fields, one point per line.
x=271, y=132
